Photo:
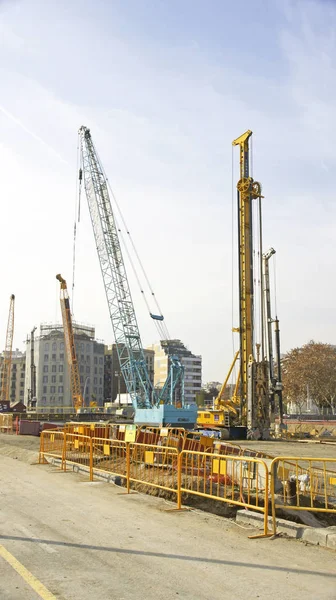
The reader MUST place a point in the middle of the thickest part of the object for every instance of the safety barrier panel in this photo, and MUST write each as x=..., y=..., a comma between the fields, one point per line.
x=303, y=484
x=78, y=450
x=242, y=481
x=154, y=466
x=6, y=423
x=52, y=445
x=110, y=456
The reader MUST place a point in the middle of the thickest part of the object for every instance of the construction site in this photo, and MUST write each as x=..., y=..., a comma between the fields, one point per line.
x=240, y=460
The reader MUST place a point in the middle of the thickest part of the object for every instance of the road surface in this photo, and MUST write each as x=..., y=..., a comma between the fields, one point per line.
x=65, y=538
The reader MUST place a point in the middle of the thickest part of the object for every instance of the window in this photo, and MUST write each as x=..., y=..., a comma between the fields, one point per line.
x=45, y=368
x=54, y=346
x=96, y=370
x=100, y=370
x=44, y=389
x=52, y=389
x=44, y=400
x=21, y=392
x=60, y=389
x=82, y=347
x=95, y=380
x=61, y=345
x=53, y=357
x=46, y=357
x=81, y=379
x=82, y=357
x=53, y=379
x=60, y=399
x=88, y=359
x=61, y=356
x=45, y=378
x=22, y=375
x=61, y=378
x=88, y=369
x=21, y=383
x=100, y=360
x=46, y=346
x=54, y=368
x=95, y=360
x=60, y=368
x=100, y=380
x=87, y=347
x=81, y=368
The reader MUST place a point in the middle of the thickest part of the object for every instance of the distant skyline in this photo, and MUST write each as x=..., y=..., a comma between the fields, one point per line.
x=165, y=87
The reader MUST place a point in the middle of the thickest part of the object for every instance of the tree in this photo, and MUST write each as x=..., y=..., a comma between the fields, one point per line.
x=311, y=367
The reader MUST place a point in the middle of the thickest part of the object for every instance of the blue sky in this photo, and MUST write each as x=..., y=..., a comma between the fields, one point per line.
x=165, y=88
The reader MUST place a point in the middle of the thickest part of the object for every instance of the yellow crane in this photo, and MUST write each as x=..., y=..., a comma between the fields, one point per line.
x=70, y=345
x=7, y=361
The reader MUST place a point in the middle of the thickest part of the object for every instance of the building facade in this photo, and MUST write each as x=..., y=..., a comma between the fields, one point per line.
x=192, y=364
x=114, y=383
x=17, y=377
x=52, y=371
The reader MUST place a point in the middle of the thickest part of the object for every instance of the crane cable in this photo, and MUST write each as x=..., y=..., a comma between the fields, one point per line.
x=77, y=218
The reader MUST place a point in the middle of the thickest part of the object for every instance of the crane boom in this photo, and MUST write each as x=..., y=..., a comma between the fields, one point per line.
x=70, y=345
x=7, y=362
x=146, y=400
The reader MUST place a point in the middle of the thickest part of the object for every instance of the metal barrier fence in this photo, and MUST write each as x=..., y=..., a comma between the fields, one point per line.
x=292, y=483
x=51, y=444
x=242, y=481
x=303, y=484
x=154, y=466
x=110, y=456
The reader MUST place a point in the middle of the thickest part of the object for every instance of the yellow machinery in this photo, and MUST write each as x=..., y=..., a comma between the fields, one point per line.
x=251, y=392
x=7, y=362
x=70, y=345
x=223, y=410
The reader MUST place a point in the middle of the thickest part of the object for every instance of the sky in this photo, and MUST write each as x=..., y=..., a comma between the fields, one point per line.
x=165, y=87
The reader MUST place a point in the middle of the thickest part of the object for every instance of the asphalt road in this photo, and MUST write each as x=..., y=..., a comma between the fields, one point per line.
x=65, y=538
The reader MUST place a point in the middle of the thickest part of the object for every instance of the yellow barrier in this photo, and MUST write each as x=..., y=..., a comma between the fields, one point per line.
x=239, y=480
x=307, y=484
x=51, y=444
x=110, y=456
x=78, y=450
x=154, y=466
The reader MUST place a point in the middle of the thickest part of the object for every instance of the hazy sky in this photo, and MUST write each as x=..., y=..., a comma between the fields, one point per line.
x=165, y=86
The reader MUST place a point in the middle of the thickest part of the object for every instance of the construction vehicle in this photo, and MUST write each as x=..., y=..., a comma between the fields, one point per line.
x=7, y=357
x=253, y=397
x=224, y=412
x=69, y=338
x=151, y=406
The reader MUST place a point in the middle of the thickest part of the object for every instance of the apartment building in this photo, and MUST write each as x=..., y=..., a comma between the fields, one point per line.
x=192, y=364
x=53, y=390
x=17, y=377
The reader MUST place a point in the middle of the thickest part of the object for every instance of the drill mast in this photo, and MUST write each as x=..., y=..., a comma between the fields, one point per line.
x=7, y=362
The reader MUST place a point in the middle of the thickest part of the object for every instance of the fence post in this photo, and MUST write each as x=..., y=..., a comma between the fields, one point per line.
x=63, y=465
x=179, y=479
x=41, y=453
x=91, y=459
x=272, y=471
x=128, y=466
